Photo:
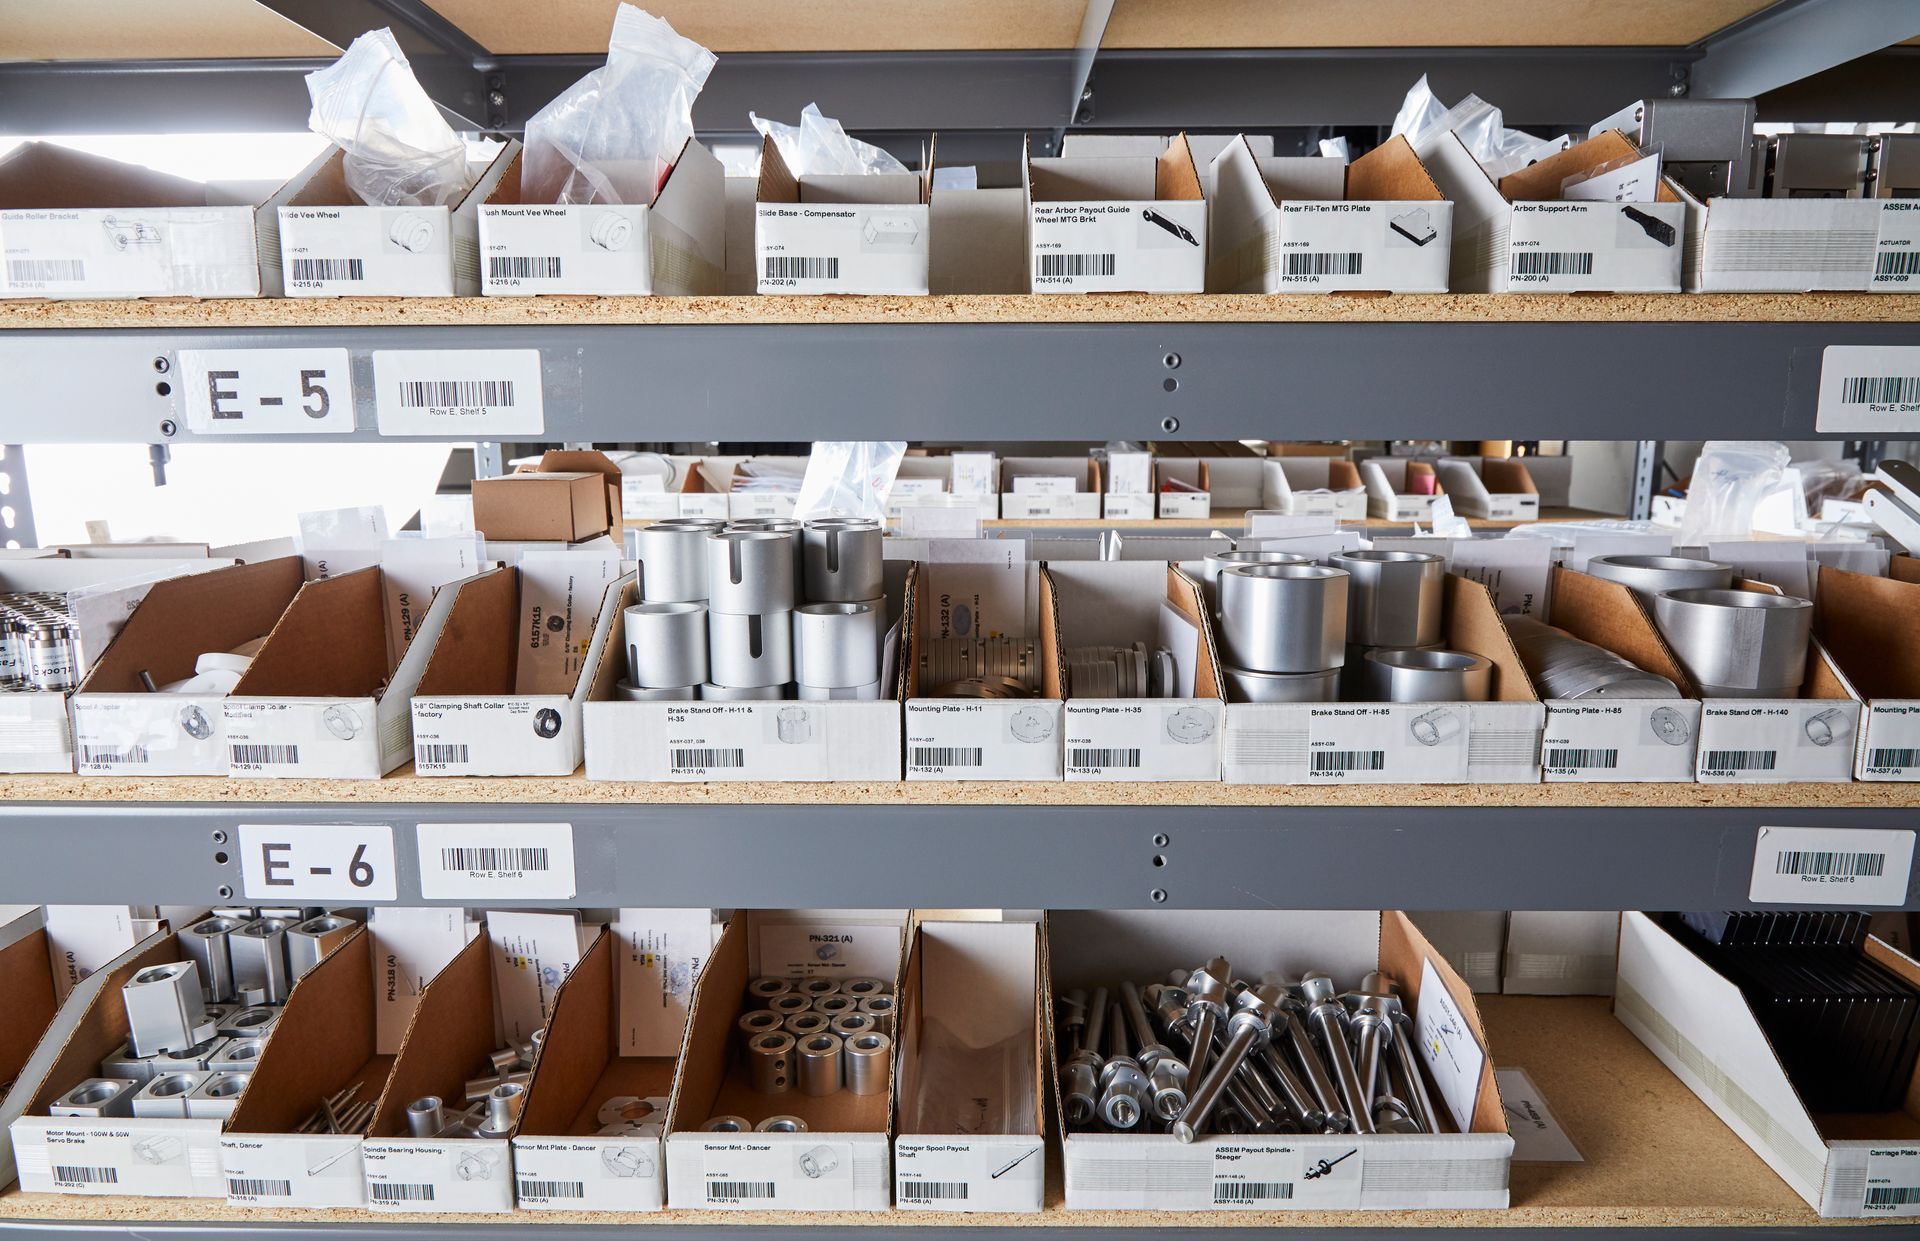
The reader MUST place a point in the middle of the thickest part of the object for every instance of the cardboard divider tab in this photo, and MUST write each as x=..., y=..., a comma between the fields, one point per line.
x=1540, y=182
x=42, y=175
x=1391, y=172
x=26, y=980
x=1190, y=600
x=1403, y=954
x=1473, y=624
x=447, y=1041
x=330, y=642
x=1610, y=615
x=1871, y=625
x=580, y=1062
x=104, y=1029
x=477, y=650
x=181, y=618
x=323, y=1043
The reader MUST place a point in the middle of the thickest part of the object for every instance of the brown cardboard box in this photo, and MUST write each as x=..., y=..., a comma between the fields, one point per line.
x=540, y=507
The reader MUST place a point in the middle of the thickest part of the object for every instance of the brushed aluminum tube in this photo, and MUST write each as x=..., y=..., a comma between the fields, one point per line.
x=749, y=652
x=770, y=1062
x=869, y=692
x=666, y=644
x=206, y=944
x=1394, y=598
x=1284, y=617
x=1244, y=685
x=866, y=1057
x=752, y=693
x=820, y=1059
x=426, y=1117
x=673, y=562
x=1216, y=562
x=627, y=691
x=836, y=645
x=1647, y=576
x=750, y=572
x=1432, y=676
x=843, y=559
x=1738, y=643
x=781, y=525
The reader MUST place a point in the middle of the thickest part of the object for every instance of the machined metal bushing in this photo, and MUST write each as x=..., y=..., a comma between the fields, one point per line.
x=761, y=1021
x=1431, y=676
x=313, y=939
x=1245, y=685
x=1738, y=643
x=770, y=1062
x=1395, y=598
x=1211, y=567
x=800, y=1025
x=752, y=693
x=255, y=1022
x=207, y=944
x=504, y=1103
x=843, y=559
x=750, y=651
x=1284, y=617
x=1647, y=576
x=166, y=1009
x=673, y=561
x=666, y=644
x=750, y=572
x=866, y=1057
x=426, y=1117
x=836, y=645
x=98, y=1096
x=781, y=1124
x=767, y=988
x=881, y=1008
x=217, y=1096
x=166, y=1094
x=789, y=1004
x=821, y=1058
x=627, y=691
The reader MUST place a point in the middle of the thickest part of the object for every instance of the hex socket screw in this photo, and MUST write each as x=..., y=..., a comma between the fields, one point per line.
x=1248, y=1029
x=1327, y=1016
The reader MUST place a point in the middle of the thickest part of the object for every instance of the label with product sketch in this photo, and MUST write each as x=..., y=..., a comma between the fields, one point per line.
x=988, y=1173
x=1399, y=247
x=1305, y=1174
x=1362, y=743
x=1868, y=389
x=796, y=1172
x=1093, y=247
x=980, y=739
x=841, y=247
x=459, y=393
x=1893, y=1181
x=1619, y=740
x=1896, y=254
x=266, y=391
x=1850, y=866
x=1143, y=739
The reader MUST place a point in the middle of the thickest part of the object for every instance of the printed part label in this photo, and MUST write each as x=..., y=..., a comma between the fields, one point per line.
x=1896, y=252
x=458, y=393
x=1869, y=389
x=745, y=1174
x=1893, y=1181
x=1298, y=1175
x=1851, y=866
x=285, y=1170
x=983, y=1174
x=841, y=248
x=1150, y=739
x=266, y=391
x=461, y=1175
x=1150, y=247
x=1362, y=744
x=588, y=1174
x=971, y=739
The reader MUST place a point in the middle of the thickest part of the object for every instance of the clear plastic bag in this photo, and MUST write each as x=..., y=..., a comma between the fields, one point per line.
x=612, y=136
x=1423, y=119
x=1730, y=480
x=819, y=147
x=849, y=478
x=400, y=153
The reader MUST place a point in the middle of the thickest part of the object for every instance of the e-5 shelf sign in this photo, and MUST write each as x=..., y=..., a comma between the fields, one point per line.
x=320, y=862
x=266, y=391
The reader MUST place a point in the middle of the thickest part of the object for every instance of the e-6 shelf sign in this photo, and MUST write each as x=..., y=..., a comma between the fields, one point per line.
x=320, y=862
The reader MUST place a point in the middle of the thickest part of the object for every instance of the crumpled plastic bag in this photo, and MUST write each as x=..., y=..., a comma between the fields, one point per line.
x=819, y=147
x=1423, y=119
x=1730, y=479
x=849, y=478
x=612, y=136
x=400, y=152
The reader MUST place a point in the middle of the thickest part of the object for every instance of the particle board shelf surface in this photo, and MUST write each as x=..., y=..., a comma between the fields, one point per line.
x=1236, y=519
x=1121, y=308
x=1654, y=1157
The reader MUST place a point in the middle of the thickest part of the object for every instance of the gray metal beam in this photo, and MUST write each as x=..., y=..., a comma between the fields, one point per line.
x=1001, y=381
x=960, y=857
x=1794, y=39
x=447, y=62
x=154, y=96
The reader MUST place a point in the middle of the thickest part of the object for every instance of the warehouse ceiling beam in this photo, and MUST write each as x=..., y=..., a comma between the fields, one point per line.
x=1796, y=39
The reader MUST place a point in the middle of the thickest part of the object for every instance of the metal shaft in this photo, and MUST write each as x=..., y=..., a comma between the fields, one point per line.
x=1208, y=1092
x=1346, y=1076
x=1096, y=1032
x=1311, y=1117
x=1136, y=1014
x=1123, y=1101
x=1318, y=1082
x=1416, y=1095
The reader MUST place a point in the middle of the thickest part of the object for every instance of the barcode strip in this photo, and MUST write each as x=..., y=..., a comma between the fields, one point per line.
x=949, y=756
x=1251, y=1191
x=1552, y=263
x=1898, y=263
x=1583, y=758
x=1739, y=760
x=254, y=1187
x=439, y=393
x=1880, y=390
x=1892, y=1195
x=1349, y=760
x=113, y=754
x=1075, y=264
x=1346, y=264
x=329, y=269
x=1893, y=758
x=383, y=1192
x=263, y=754
x=735, y=1191
x=707, y=758
x=72, y=1174
x=930, y=1191
x=40, y=271
x=1103, y=758
x=789, y=267
x=495, y=857
x=553, y=1189
x=1830, y=862
x=522, y=267
x=427, y=754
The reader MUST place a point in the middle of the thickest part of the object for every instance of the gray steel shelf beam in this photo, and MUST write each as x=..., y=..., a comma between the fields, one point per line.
x=1796, y=39
x=957, y=857
x=1013, y=382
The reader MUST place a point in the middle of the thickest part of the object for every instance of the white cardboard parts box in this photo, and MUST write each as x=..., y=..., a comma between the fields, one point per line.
x=1491, y=742
x=468, y=718
x=1390, y=494
x=972, y=989
x=843, y=233
x=841, y=1162
x=317, y=700
x=1194, y=472
x=30, y=1029
x=1322, y=487
x=1793, y=245
x=1498, y=488
x=1564, y=952
x=675, y=244
x=120, y=727
x=78, y=225
x=1136, y=1171
x=1116, y=223
x=1474, y=942
x=1316, y=225
x=1066, y=488
x=1871, y=625
x=1120, y=603
x=1699, y=1025
x=318, y=240
x=1521, y=236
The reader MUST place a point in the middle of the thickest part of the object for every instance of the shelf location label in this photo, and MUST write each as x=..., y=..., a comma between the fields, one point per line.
x=322, y=862
x=496, y=861
x=266, y=391
x=1848, y=866
x=459, y=393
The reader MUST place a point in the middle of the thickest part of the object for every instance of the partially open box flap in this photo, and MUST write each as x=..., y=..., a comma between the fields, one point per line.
x=330, y=642
x=1610, y=615
x=1053, y=667
x=1391, y=172
x=1404, y=952
x=609, y=667
x=1474, y=625
x=1507, y=476
x=40, y=175
x=1175, y=177
x=26, y=980
x=582, y=1036
x=1871, y=625
x=322, y=1044
x=475, y=651
x=709, y=1039
x=182, y=618
x=447, y=1040
x=1190, y=601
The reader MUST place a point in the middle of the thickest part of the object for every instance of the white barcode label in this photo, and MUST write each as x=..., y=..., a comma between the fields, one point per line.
x=434, y=755
x=932, y=1191
x=1088, y=757
x=1571, y=758
x=523, y=267
x=792, y=267
x=309, y=273
x=947, y=756
x=505, y=861
x=552, y=1189
x=1892, y=759
x=1731, y=762
x=1897, y=263
x=1869, y=389
x=1825, y=866
x=740, y=1191
x=1297, y=264
x=253, y=757
x=26, y=273
x=112, y=756
x=71, y=1174
x=1893, y=1181
x=1542, y=263
x=1322, y=761
x=384, y=1192
x=1227, y=1192
x=1065, y=266
x=258, y=1187
x=316, y=862
x=458, y=393
x=266, y=391
x=686, y=759
x=1881, y=1196
x=1270, y=1174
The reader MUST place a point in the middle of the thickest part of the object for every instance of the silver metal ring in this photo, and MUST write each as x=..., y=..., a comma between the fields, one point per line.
x=627, y=691
x=1647, y=576
x=867, y=1059
x=836, y=645
x=1395, y=597
x=666, y=644
x=1432, y=676
x=749, y=651
x=1284, y=617
x=770, y=1062
x=1245, y=685
x=750, y=572
x=821, y=1070
x=751, y=693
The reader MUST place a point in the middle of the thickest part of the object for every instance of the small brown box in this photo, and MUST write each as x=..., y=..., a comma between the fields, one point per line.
x=537, y=507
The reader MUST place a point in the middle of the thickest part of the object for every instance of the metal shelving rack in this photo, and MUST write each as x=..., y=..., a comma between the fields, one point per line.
x=1003, y=369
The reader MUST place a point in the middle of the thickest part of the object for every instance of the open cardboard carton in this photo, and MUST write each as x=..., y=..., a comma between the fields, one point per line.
x=317, y=239
x=1871, y=625
x=1698, y=1024
x=980, y=245
x=1059, y=487
x=1796, y=245
x=1315, y=225
x=784, y=739
x=1116, y=223
x=972, y=987
x=841, y=1162
x=675, y=244
x=121, y=727
x=850, y=233
x=1491, y=742
x=80, y=225
x=469, y=719
x=26, y=979
x=985, y=738
x=1390, y=488
x=562, y=1161
x=1462, y=1168
x=1609, y=739
x=1521, y=236
x=1781, y=740
x=1324, y=487
x=696, y=495
x=1177, y=501
x=324, y=1044
x=927, y=481
x=1120, y=603
x=571, y=514
x=317, y=700
x=750, y=503
x=1499, y=488
x=646, y=497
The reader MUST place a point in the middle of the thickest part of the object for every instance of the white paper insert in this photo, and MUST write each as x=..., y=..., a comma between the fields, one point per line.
x=533, y=953
x=1454, y=1057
